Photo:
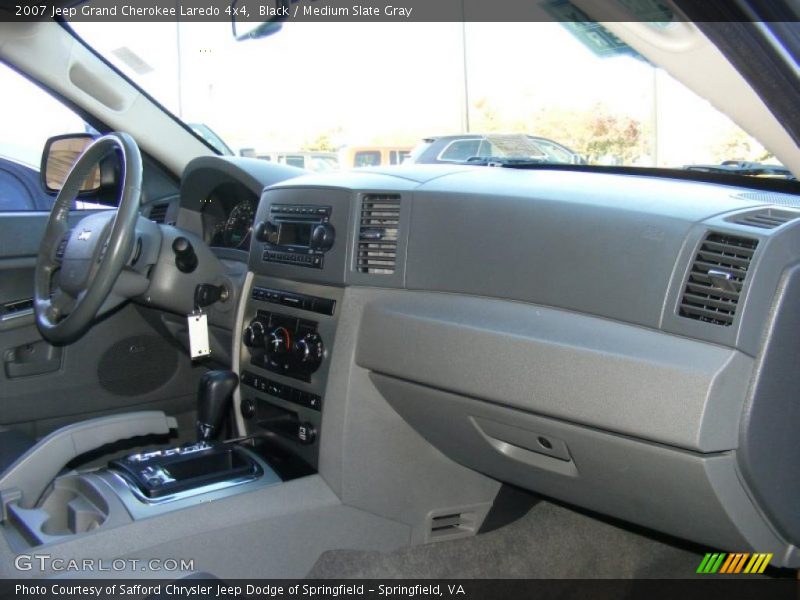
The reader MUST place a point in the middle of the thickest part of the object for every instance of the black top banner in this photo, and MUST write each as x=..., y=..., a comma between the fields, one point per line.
x=370, y=11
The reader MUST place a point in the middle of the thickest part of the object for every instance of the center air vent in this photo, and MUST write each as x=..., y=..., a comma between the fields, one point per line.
x=716, y=279
x=158, y=213
x=377, y=234
x=769, y=218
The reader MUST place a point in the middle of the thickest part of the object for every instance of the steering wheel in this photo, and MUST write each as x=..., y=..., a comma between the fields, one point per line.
x=76, y=269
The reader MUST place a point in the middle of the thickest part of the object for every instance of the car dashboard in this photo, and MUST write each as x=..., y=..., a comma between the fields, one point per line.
x=621, y=343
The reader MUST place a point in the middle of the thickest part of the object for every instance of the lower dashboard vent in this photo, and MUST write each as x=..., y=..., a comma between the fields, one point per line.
x=446, y=525
x=715, y=282
x=378, y=234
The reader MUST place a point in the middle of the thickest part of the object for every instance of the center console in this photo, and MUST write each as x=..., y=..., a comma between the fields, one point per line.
x=143, y=484
x=164, y=474
x=290, y=314
x=283, y=366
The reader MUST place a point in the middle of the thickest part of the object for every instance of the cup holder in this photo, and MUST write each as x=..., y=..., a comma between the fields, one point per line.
x=72, y=511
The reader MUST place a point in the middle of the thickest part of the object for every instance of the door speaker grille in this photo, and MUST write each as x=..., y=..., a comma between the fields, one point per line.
x=137, y=365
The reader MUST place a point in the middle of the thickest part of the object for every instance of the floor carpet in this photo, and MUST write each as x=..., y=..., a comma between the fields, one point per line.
x=550, y=541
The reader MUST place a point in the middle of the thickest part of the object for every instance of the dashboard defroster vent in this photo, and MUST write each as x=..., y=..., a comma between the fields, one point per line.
x=769, y=218
x=158, y=213
x=715, y=282
x=378, y=234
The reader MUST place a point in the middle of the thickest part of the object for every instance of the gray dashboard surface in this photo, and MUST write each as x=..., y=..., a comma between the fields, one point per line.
x=597, y=244
x=389, y=178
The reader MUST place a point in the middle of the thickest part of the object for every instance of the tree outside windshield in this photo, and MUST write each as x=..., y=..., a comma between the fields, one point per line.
x=382, y=87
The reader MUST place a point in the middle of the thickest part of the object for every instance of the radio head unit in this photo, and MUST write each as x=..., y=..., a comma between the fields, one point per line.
x=296, y=234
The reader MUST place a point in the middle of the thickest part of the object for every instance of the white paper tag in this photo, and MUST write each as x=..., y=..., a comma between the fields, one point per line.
x=198, y=335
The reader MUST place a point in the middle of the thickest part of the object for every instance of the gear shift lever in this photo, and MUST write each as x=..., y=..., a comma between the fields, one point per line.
x=213, y=397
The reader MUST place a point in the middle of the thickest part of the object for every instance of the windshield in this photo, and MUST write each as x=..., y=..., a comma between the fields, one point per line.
x=205, y=132
x=335, y=88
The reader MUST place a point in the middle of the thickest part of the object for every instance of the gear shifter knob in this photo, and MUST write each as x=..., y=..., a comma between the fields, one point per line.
x=213, y=397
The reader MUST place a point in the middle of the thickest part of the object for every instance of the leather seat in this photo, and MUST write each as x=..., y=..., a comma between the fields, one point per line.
x=13, y=444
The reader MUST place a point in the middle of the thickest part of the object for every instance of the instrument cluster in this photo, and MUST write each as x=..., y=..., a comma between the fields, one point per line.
x=228, y=214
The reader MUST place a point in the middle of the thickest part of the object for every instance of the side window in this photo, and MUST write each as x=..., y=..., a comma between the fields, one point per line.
x=398, y=157
x=487, y=150
x=553, y=152
x=29, y=116
x=296, y=161
x=367, y=158
x=461, y=150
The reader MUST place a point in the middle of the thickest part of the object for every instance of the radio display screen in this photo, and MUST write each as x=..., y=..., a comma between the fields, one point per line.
x=294, y=234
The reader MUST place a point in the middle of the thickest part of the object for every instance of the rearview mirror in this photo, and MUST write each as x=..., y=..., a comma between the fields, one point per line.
x=244, y=29
x=60, y=154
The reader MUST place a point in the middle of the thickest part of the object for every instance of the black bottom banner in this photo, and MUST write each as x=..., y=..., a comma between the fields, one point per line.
x=468, y=589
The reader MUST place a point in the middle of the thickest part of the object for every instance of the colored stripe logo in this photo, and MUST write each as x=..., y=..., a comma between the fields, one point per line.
x=734, y=563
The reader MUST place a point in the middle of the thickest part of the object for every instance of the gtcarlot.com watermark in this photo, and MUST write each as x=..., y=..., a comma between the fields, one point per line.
x=46, y=562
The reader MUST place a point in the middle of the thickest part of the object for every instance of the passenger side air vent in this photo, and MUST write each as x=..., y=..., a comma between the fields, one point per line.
x=378, y=234
x=769, y=218
x=716, y=279
x=158, y=213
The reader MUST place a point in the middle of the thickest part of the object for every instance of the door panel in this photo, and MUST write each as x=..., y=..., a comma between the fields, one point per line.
x=123, y=363
x=20, y=234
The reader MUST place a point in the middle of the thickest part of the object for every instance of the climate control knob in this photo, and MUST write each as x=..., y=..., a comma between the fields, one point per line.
x=309, y=352
x=322, y=237
x=253, y=336
x=279, y=341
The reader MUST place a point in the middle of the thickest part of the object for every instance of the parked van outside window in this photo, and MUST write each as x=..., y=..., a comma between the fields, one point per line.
x=373, y=156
